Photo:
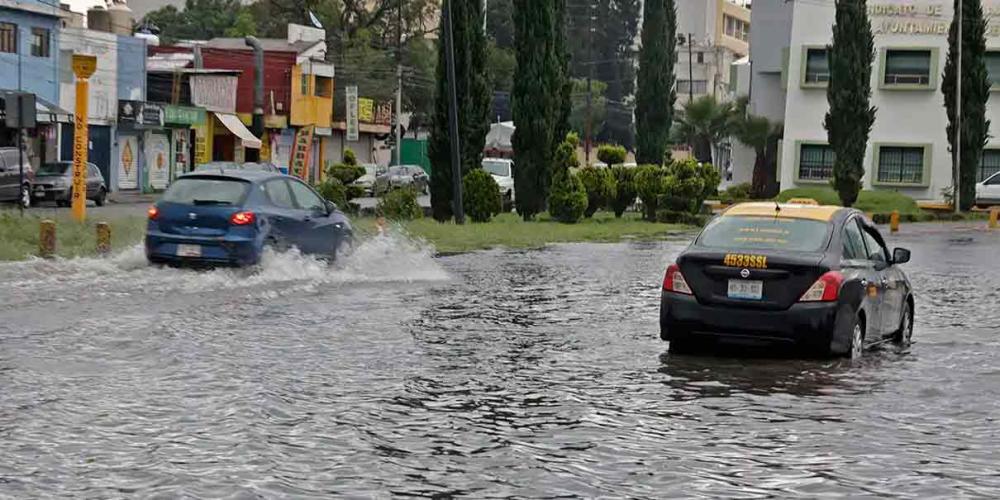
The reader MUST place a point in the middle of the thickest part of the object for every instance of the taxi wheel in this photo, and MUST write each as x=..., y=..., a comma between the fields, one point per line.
x=857, y=349
x=683, y=346
x=903, y=336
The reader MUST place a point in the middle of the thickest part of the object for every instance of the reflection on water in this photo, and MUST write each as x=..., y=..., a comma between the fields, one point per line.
x=495, y=374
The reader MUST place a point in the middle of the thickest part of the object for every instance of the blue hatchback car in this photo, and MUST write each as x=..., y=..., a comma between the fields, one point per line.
x=229, y=217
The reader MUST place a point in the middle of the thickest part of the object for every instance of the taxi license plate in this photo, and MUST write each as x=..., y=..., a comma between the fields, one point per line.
x=746, y=289
x=189, y=250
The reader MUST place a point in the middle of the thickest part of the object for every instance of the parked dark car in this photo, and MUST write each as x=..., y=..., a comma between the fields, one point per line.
x=207, y=218
x=400, y=176
x=54, y=182
x=11, y=188
x=816, y=277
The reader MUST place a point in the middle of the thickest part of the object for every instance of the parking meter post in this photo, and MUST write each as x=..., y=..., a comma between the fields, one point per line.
x=83, y=68
x=47, y=239
x=103, y=239
x=894, y=221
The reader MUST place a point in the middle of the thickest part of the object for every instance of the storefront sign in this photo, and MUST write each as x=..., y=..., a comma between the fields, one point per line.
x=214, y=92
x=182, y=115
x=300, y=152
x=921, y=19
x=351, y=101
x=366, y=110
x=157, y=160
x=383, y=113
x=140, y=113
x=128, y=162
x=202, y=148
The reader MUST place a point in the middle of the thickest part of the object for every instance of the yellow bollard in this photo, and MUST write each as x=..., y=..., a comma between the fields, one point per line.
x=103, y=238
x=47, y=239
x=994, y=215
x=894, y=221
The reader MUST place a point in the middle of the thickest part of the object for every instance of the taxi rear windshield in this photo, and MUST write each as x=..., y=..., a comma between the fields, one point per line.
x=765, y=233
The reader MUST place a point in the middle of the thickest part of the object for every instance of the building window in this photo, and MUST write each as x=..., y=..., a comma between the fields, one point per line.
x=907, y=67
x=8, y=38
x=692, y=86
x=701, y=58
x=815, y=162
x=817, y=67
x=989, y=164
x=901, y=164
x=737, y=28
x=305, y=84
x=39, y=42
x=324, y=86
x=993, y=68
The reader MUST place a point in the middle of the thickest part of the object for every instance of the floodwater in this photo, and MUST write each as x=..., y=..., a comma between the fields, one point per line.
x=494, y=374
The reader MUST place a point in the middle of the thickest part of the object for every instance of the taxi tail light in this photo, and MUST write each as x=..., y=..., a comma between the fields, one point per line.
x=153, y=212
x=242, y=218
x=825, y=289
x=673, y=281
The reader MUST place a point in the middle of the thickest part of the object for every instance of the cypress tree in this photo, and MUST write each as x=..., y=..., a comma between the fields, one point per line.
x=474, y=102
x=655, y=95
x=975, y=93
x=563, y=84
x=849, y=120
x=536, y=102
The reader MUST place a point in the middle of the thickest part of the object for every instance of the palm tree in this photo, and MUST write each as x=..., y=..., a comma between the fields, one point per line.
x=703, y=123
x=760, y=134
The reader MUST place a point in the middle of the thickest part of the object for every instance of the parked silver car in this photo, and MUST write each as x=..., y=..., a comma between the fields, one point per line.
x=401, y=176
x=54, y=182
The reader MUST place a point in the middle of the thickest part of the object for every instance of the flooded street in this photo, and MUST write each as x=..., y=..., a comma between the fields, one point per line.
x=494, y=374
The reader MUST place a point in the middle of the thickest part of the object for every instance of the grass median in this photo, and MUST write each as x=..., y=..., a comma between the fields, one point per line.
x=20, y=235
x=509, y=231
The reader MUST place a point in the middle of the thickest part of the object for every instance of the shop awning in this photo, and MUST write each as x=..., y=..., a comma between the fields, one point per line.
x=233, y=123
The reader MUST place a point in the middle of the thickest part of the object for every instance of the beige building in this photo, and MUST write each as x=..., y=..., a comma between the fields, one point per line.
x=712, y=34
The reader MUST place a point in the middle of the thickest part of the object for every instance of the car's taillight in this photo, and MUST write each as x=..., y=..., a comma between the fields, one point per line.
x=673, y=281
x=242, y=218
x=153, y=212
x=825, y=289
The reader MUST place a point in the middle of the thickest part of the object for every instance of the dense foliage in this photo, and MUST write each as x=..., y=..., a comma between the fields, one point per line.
x=656, y=94
x=346, y=173
x=567, y=196
x=399, y=204
x=474, y=102
x=611, y=154
x=649, y=186
x=975, y=94
x=600, y=187
x=849, y=121
x=480, y=195
x=333, y=190
x=625, y=194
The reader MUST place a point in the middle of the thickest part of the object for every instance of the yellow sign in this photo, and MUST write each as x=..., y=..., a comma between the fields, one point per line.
x=84, y=65
x=299, y=166
x=366, y=110
x=740, y=260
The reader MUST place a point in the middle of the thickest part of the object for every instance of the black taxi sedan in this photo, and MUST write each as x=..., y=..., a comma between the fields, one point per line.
x=814, y=277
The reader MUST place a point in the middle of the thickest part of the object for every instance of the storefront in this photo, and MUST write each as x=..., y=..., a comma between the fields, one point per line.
x=183, y=122
x=143, y=158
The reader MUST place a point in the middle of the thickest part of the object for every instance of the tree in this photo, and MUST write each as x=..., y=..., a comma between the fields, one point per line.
x=975, y=93
x=472, y=83
x=501, y=65
x=703, y=123
x=655, y=95
x=849, y=120
x=598, y=107
x=760, y=134
x=562, y=84
x=535, y=101
x=243, y=25
x=568, y=196
x=199, y=20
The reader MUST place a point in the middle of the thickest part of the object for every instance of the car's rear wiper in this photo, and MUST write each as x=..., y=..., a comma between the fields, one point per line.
x=212, y=202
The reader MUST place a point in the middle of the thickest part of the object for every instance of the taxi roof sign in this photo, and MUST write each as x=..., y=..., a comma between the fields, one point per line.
x=822, y=213
x=803, y=201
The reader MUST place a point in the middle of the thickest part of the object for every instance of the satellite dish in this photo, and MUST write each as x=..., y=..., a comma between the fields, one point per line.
x=314, y=20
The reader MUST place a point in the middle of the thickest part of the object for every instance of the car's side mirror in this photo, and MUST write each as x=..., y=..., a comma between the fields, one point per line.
x=900, y=256
x=331, y=207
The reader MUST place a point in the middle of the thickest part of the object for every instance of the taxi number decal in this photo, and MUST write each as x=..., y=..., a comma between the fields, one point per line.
x=741, y=260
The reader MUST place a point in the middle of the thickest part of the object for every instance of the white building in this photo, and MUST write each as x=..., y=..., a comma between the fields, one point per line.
x=908, y=148
x=712, y=34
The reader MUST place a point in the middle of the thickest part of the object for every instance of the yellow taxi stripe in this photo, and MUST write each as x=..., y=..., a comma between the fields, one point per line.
x=822, y=213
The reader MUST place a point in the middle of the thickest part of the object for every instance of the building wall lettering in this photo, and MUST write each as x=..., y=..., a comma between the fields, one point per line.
x=924, y=19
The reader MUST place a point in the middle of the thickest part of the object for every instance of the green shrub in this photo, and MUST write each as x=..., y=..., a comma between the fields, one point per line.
x=345, y=174
x=573, y=139
x=675, y=217
x=600, y=186
x=567, y=197
x=711, y=177
x=611, y=155
x=399, y=204
x=349, y=157
x=480, y=195
x=333, y=190
x=624, y=179
x=881, y=201
x=649, y=188
x=737, y=192
x=682, y=188
x=565, y=157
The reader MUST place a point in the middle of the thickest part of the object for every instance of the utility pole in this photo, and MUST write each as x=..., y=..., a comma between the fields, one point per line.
x=399, y=82
x=456, y=154
x=690, y=67
x=958, y=114
x=20, y=131
x=590, y=78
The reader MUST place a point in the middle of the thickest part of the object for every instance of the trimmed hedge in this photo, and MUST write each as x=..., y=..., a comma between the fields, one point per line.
x=399, y=204
x=600, y=187
x=480, y=195
x=625, y=194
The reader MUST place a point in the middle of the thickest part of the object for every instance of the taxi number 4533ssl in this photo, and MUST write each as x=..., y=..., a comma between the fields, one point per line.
x=742, y=260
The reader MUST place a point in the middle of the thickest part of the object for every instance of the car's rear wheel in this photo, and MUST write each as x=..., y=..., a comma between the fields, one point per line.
x=102, y=198
x=903, y=336
x=685, y=346
x=857, y=347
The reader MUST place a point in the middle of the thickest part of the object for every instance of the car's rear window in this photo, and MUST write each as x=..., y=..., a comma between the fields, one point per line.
x=765, y=233
x=206, y=191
